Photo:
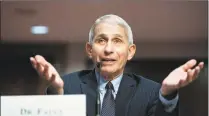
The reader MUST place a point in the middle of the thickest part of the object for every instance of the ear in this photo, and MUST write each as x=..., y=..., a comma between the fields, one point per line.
x=131, y=51
x=89, y=50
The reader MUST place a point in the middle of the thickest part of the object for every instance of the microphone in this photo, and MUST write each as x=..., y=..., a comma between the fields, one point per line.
x=98, y=65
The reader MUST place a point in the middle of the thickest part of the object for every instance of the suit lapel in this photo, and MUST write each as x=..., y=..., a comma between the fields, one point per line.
x=89, y=87
x=124, y=95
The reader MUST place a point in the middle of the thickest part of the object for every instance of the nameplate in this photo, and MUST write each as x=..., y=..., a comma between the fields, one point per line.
x=43, y=105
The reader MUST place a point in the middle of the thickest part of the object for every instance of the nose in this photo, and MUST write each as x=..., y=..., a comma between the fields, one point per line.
x=108, y=48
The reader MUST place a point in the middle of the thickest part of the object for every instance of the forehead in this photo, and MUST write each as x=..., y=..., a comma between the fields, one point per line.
x=109, y=30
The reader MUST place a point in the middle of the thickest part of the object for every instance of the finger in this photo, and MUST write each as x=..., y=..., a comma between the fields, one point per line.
x=33, y=62
x=188, y=65
x=201, y=65
x=49, y=71
x=193, y=74
x=41, y=60
x=41, y=63
x=52, y=79
x=197, y=71
x=40, y=69
x=46, y=72
x=190, y=75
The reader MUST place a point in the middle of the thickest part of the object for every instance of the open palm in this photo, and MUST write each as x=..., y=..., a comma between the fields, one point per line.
x=181, y=76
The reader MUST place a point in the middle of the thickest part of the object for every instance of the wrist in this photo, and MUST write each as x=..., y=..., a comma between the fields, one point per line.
x=169, y=95
x=55, y=91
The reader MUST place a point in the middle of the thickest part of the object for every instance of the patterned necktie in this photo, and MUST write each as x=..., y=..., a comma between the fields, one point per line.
x=108, y=105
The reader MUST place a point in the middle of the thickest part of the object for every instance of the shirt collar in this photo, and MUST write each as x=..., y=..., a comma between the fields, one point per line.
x=102, y=82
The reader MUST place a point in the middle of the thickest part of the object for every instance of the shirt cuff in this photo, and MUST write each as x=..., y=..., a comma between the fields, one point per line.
x=169, y=105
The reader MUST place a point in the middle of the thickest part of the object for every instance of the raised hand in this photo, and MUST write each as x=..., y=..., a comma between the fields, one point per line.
x=181, y=77
x=48, y=74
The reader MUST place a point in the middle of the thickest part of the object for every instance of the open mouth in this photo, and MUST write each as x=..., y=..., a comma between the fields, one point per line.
x=108, y=60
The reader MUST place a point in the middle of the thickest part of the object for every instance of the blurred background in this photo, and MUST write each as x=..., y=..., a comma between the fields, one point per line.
x=167, y=34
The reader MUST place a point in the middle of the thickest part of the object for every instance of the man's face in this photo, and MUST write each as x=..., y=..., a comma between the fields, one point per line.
x=110, y=47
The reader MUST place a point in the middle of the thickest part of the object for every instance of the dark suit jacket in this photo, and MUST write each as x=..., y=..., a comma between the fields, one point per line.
x=137, y=96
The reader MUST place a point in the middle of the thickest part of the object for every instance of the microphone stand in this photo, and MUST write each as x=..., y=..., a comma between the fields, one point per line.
x=98, y=94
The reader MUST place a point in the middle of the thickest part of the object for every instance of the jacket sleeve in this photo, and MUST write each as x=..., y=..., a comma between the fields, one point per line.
x=157, y=108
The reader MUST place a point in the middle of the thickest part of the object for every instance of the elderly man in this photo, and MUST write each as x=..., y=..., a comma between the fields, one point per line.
x=110, y=46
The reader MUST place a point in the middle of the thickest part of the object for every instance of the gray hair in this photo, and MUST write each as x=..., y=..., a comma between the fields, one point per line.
x=111, y=18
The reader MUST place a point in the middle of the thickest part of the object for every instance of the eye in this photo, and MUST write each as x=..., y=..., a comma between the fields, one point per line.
x=100, y=41
x=117, y=40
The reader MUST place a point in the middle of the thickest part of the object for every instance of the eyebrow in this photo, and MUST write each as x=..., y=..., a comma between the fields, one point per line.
x=101, y=35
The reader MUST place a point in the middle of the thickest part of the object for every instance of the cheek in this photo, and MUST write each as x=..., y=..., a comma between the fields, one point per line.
x=123, y=56
x=94, y=56
x=96, y=53
x=97, y=49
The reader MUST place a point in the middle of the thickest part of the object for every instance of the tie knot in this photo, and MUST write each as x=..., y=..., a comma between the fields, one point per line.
x=109, y=86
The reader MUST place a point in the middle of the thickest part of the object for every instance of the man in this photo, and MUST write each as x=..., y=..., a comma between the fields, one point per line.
x=110, y=46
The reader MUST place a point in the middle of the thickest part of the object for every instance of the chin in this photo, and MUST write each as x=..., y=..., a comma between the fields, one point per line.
x=108, y=70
